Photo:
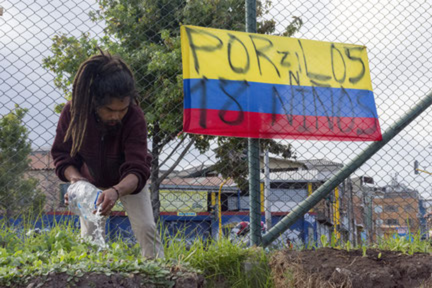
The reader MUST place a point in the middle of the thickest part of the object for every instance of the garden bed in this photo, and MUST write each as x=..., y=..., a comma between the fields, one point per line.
x=139, y=273
x=59, y=257
x=328, y=267
x=115, y=280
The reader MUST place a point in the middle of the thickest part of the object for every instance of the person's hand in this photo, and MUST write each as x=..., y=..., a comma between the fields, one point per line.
x=66, y=199
x=107, y=200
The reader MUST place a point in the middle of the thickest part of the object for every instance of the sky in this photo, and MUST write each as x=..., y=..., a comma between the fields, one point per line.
x=26, y=30
x=397, y=35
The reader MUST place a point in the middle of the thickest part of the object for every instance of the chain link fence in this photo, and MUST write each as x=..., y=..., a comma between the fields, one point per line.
x=198, y=182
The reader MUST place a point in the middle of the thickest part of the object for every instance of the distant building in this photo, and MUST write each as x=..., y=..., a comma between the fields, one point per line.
x=192, y=192
x=291, y=182
x=400, y=209
x=361, y=191
x=385, y=211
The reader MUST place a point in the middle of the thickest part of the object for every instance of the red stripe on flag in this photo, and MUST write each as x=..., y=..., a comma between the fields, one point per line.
x=264, y=125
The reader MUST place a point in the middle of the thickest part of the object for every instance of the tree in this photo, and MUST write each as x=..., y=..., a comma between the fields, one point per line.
x=18, y=193
x=146, y=33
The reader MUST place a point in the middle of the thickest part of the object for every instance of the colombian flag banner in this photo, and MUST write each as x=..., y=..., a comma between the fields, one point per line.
x=261, y=86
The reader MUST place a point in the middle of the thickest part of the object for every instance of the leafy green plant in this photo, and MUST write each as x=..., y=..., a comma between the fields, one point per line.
x=348, y=246
x=364, y=249
x=61, y=250
x=409, y=244
x=324, y=241
x=311, y=245
x=334, y=241
x=25, y=254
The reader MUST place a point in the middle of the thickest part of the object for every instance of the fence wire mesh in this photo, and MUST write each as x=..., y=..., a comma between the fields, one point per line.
x=199, y=183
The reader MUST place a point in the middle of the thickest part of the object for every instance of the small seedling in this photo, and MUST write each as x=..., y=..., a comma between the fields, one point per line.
x=324, y=241
x=348, y=246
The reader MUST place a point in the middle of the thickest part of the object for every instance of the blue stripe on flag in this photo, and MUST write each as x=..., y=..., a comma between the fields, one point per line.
x=278, y=99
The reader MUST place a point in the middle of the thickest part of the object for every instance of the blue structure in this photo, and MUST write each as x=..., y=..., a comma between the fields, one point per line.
x=185, y=228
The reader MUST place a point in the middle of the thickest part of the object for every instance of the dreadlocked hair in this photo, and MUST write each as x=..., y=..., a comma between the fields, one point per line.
x=99, y=79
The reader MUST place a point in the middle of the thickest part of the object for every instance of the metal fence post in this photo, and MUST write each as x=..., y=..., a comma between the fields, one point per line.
x=253, y=153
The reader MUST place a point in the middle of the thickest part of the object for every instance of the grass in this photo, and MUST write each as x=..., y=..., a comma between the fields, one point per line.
x=223, y=262
x=60, y=250
x=407, y=245
x=25, y=254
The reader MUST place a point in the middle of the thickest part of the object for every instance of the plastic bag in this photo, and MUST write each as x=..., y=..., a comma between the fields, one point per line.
x=83, y=197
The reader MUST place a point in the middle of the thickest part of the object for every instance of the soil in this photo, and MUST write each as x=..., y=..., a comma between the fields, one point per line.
x=327, y=267
x=95, y=280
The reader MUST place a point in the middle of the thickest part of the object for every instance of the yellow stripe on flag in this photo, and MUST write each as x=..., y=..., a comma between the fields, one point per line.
x=216, y=54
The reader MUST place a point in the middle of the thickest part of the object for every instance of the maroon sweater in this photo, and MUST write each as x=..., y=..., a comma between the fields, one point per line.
x=105, y=158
